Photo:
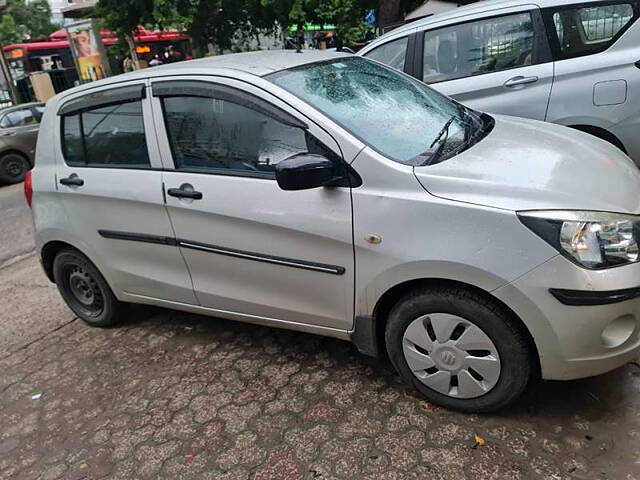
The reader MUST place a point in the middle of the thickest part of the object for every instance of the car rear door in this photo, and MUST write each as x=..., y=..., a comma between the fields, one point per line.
x=597, y=51
x=255, y=252
x=500, y=63
x=23, y=125
x=109, y=177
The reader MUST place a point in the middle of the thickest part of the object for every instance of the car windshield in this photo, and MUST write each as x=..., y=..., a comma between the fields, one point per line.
x=396, y=115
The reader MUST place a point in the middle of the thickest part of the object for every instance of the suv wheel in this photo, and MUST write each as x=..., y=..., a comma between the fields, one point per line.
x=459, y=349
x=85, y=289
x=13, y=168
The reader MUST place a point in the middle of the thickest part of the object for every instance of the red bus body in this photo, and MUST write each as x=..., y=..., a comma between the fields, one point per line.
x=55, y=53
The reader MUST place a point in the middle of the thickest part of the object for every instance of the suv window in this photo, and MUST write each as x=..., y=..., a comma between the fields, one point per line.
x=474, y=48
x=18, y=118
x=392, y=53
x=106, y=136
x=590, y=29
x=219, y=136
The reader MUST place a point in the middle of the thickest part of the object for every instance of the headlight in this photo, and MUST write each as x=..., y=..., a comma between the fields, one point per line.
x=591, y=239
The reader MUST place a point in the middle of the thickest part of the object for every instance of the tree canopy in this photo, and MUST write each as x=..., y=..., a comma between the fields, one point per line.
x=24, y=20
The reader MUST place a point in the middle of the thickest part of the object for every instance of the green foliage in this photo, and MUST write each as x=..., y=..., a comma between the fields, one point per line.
x=224, y=23
x=124, y=18
x=347, y=16
x=24, y=21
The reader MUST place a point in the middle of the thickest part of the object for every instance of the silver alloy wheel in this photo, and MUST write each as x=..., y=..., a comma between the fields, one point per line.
x=451, y=355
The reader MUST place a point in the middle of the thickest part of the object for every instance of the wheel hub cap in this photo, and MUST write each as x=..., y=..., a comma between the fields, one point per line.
x=14, y=168
x=451, y=355
x=81, y=288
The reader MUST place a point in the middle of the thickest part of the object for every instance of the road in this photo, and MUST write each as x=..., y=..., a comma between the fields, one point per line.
x=168, y=395
x=16, y=237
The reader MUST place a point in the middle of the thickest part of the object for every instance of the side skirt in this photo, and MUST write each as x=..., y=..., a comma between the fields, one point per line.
x=241, y=317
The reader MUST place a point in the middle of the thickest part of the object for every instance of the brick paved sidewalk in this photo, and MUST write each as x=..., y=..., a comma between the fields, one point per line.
x=176, y=396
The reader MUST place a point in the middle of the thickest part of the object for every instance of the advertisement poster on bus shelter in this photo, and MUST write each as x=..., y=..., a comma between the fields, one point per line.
x=88, y=51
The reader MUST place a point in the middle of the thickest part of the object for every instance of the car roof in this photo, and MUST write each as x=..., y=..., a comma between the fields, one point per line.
x=478, y=7
x=257, y=63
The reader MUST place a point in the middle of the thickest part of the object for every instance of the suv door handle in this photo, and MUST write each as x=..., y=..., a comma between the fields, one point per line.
x=185, y=191
x=72, y=179
x=519, y=80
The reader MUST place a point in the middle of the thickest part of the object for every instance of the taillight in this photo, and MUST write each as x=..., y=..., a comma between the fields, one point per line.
x=28, y=188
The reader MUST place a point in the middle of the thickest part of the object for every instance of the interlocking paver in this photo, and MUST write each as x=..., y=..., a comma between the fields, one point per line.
x=169, y=395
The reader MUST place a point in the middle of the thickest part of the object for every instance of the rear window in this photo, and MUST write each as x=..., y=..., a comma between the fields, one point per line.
x=586, y=30
x=108, y=136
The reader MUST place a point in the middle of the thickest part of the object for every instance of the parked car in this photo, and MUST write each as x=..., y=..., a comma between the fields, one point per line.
x=330, y=194
x=18, y=134
x=574, y=63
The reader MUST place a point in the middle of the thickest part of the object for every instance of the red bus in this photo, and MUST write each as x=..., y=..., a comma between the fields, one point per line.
x=54, y=52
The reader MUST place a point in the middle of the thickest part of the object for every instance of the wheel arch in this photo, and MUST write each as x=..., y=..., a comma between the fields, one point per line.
x=48, y=253
x=601, y=133
x=391, y=296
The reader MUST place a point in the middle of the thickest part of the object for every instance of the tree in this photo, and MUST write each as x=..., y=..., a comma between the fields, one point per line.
x=393, y=11
x=24, y=21
x=225, y=22
x=124, y=19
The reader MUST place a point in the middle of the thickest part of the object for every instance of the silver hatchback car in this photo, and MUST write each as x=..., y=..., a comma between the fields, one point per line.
x=330, y=194
x=569, y=62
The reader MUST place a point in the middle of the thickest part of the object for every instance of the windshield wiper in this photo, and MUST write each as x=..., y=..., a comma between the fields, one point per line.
x=440, y=141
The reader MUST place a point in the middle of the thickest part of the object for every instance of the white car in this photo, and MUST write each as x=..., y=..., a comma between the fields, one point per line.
x=569, y=62
x=326, y=193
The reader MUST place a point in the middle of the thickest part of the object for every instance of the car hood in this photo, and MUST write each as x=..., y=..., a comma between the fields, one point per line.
x=526, y=165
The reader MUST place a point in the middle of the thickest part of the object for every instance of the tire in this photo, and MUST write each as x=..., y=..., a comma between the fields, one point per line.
x=486, y=342
x=13, y=168
x=85, y=290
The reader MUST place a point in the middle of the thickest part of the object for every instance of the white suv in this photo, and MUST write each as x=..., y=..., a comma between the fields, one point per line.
x=567, y=62
x=330, y=194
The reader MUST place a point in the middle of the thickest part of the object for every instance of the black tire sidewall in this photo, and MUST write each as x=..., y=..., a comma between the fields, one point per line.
x=111, y=308
x=7, y=178
x=515, y=355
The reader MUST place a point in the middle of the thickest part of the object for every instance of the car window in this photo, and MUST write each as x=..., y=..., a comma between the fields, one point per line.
x=475, y=48
x=109, y=136
x=587, y=30
x=38, y=111
x=394, y=114
x=392, y=53
x=220, y=136
x=19, y=118
x=4, y=122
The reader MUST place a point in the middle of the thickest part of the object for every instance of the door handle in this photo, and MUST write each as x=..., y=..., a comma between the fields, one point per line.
x=72, y=179
x=519, y=80
x=185, y=191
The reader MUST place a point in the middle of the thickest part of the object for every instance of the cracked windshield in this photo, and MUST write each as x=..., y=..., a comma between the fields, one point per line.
x=397, y=116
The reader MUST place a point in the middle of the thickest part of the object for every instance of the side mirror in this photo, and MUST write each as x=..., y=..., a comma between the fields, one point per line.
x=304, y=171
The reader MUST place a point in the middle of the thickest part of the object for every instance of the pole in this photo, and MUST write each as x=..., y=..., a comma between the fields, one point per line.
x=6, y=73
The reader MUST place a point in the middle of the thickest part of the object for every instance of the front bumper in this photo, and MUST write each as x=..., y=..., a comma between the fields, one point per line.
x=575, y=338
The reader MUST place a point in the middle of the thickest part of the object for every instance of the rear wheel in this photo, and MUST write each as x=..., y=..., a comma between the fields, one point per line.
x=85, y=289
x=459, y=349
x=13, y=168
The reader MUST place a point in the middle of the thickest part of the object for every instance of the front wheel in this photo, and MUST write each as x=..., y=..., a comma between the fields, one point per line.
x=459, y=349
x=85, y=289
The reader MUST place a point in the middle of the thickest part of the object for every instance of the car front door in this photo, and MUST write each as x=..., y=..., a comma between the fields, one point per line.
x=255, y=252
x=108, y=176
x=499, y=64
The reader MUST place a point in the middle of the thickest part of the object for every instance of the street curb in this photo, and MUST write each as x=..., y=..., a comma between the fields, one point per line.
x=19, y=258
